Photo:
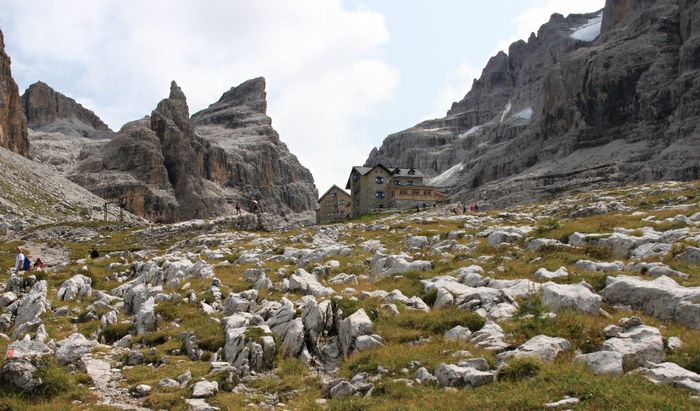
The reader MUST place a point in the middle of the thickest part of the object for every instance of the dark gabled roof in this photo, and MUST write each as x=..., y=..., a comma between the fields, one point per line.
x=329, y=190
x=402, y=172
x=405, y=172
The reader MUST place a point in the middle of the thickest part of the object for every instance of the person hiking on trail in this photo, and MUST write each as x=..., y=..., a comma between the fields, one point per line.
x=238, y=208
x=38, y=265
x=21, y=262
x=254, y=207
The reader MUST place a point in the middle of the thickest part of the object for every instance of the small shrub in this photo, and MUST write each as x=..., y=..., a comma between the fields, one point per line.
x=531, y=305
x=550, y=225
x=362, y=364
x=519, y=369
x=429, y=297
x=115, y=332
x=598, y=252
x=154, y=338
x=440, y=321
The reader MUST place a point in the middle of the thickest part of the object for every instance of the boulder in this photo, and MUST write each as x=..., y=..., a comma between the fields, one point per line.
x=386, y=265
x=205, y=389
x=501, y=235
x=20, y=373
x=637, y=345
x=342, y=390
x=603, y=267
x=146, y=319
x=73, y=348
x=602, y=362
x=690, y=255
x=343, y=278
x=490, y=337
x=544, y=274
x=199, y=404
x=662, y=298
x=450, y=375
x=654, y=269
x=78, y=286
x=249, y=348
x=570, y=297
x=308, y=284
x=541, y=347
x=33, y=304
x=352, y=327
x=458, y=333
x=669, y=373
x=423, y=376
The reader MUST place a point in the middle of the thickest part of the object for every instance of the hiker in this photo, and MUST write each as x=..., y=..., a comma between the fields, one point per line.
x=417, y=208
x=476, y=208
x=38, y=265
x=238, y=208
x=254, y=207
x=464, y=209
x=21, y=262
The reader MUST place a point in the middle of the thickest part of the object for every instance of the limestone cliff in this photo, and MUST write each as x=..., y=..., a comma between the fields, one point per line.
x=168, y=167
x=50, y=111
x=13, y=127
x=594, y=99
x=246, y=155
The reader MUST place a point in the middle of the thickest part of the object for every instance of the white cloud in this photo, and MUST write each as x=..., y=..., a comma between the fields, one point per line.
x=455, y=87
x=324, y=64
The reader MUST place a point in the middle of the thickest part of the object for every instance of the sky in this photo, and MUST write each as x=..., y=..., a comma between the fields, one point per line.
x=341, y=74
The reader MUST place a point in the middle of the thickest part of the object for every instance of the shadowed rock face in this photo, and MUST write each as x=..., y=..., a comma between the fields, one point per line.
x=168, y=167
x=50, y=111
x=245, y=153
x=569, y=109
x=13, y=127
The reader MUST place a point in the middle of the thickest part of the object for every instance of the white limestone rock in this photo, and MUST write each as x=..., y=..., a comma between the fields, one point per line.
x=542, y=347
x=602, y=362
x=76, y=287
x=637, y=345
x=570, y=297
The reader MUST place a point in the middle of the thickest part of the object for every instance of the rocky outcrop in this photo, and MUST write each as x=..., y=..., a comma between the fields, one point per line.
x=50, y=111
x=591, y=100
x=246, y=156
x=13, y=127
x=168, y=167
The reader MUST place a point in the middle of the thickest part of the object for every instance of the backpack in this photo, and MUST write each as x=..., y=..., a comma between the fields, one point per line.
x=27, y=264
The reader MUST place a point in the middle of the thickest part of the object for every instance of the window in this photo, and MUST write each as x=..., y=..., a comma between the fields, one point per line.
x=412, y=171
x=411, y=183
x=379, y=194
x=379, y=180
x=334, y=195
x=355, y=176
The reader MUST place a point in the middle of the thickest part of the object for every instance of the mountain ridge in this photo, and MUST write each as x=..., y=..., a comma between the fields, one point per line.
x=621, y=107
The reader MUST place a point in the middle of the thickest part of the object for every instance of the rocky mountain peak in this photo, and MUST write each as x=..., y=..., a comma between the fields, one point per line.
x=13, y=127
x=50, y=111
x=173, y=109
x=176, y=92
x=250, y=93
